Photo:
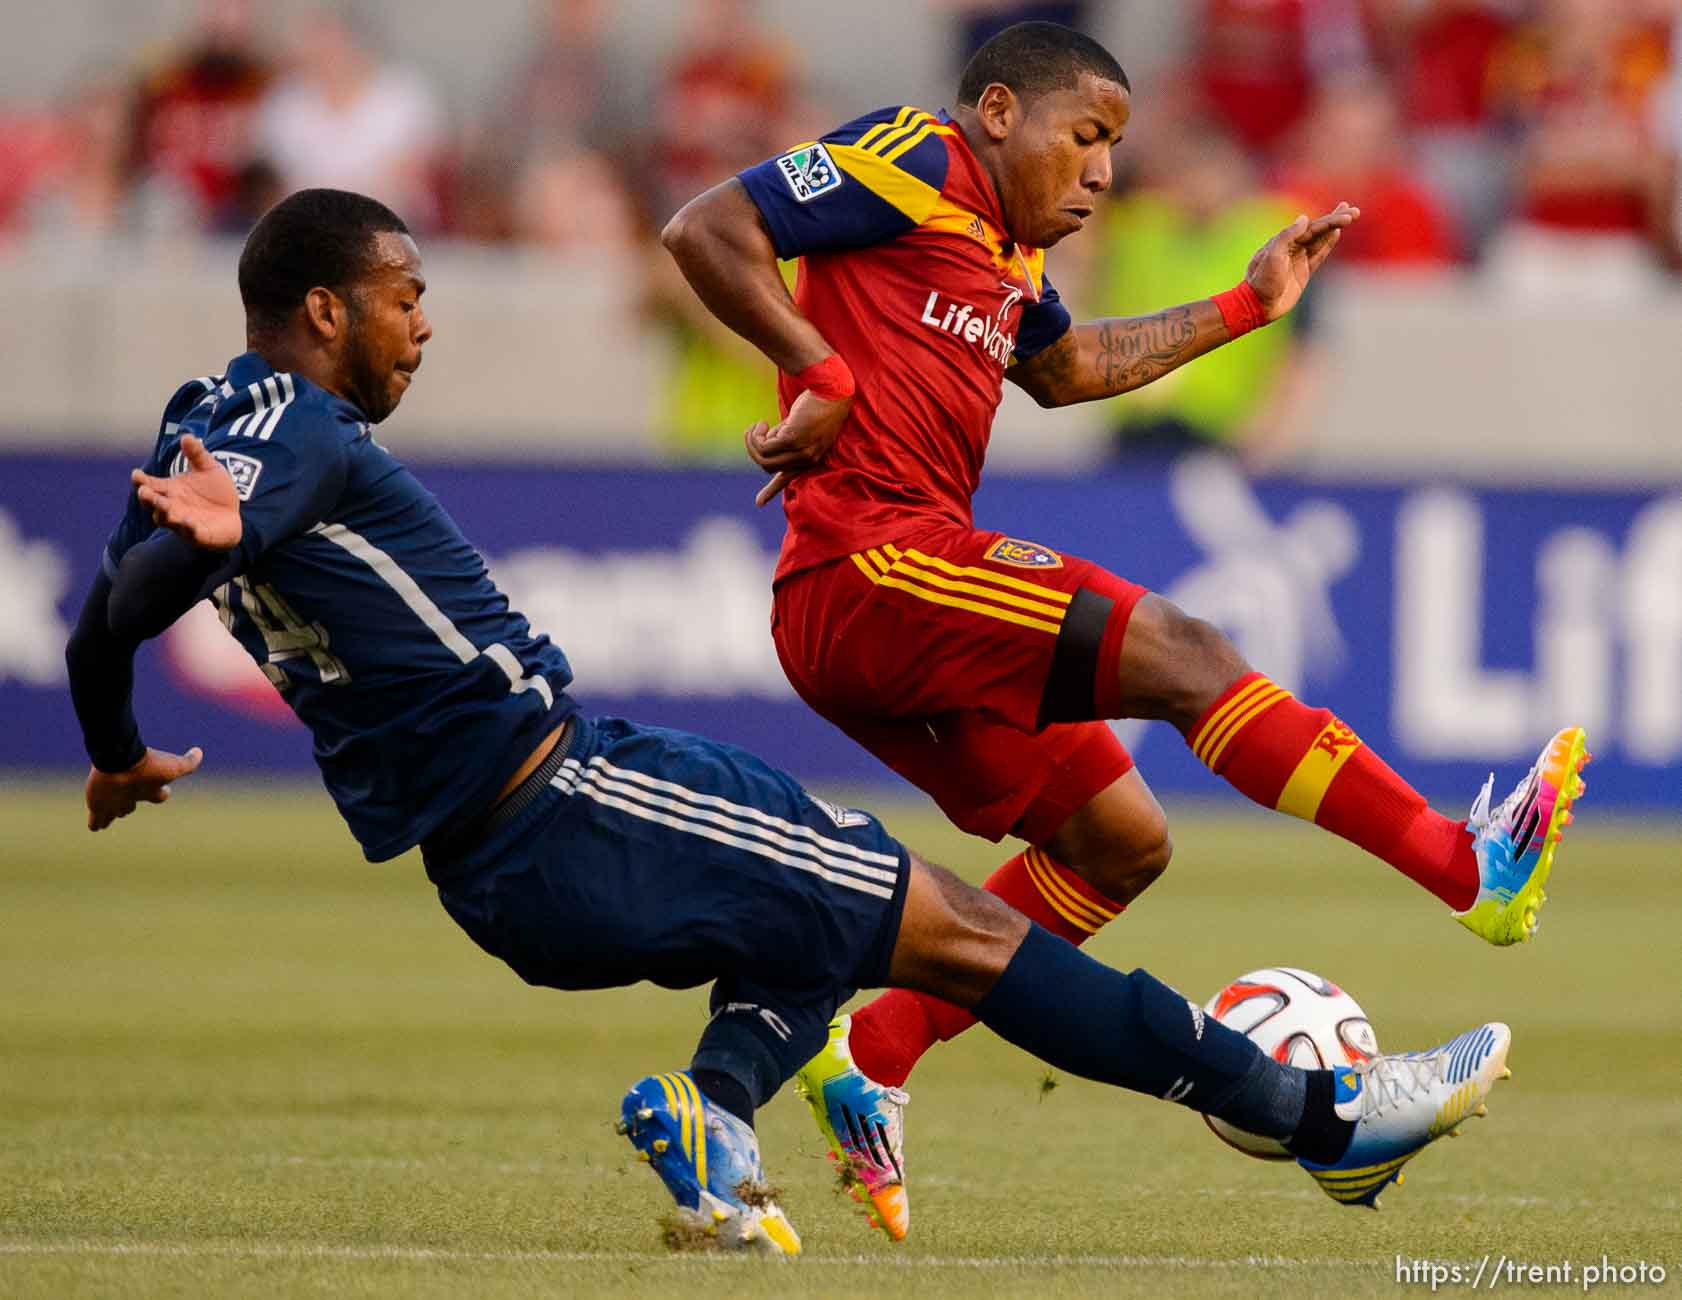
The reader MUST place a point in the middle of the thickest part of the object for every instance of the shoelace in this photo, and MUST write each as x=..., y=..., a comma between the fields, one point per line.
x=1479, y=816
x=1507, y=811
x=1391, y=1080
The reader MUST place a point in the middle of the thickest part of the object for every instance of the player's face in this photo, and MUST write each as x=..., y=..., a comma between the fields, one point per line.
x=1057, y=159
x=388, y=327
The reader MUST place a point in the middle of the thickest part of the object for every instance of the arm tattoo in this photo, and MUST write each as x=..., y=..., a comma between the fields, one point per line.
x=1134, y=351
x=1049, y=376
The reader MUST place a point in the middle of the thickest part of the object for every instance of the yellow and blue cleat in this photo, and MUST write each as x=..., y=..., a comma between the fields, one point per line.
x=864, y=1123
x=709, y=1162
x=1515, y=843
x=1403, y=1103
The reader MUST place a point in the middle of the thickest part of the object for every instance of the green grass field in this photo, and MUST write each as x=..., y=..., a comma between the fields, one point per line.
x=237, y=1060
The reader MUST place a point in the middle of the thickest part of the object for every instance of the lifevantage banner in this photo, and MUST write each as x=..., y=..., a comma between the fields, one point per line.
x=1453, y=626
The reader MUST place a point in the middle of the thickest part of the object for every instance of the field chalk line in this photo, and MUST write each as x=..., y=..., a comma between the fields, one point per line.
x=422, y=1254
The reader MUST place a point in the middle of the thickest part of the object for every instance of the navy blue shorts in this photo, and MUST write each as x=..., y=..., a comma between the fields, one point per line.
x=659, y=855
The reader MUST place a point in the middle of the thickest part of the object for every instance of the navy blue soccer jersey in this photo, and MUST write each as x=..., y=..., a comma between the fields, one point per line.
x=365, y=606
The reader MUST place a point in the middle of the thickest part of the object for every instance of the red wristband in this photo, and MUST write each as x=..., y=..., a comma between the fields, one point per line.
x=1241, y=308
x=831, y=378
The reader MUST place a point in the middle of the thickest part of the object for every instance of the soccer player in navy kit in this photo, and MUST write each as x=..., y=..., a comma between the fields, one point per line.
x=595, y=852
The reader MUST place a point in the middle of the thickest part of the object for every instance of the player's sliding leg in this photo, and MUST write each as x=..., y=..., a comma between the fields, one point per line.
x=891, y=1033
x=1353, y=1129
x=1119, y=841
x=1305, y=761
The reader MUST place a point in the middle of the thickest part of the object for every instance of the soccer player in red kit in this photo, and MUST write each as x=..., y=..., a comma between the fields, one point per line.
x=980, y=666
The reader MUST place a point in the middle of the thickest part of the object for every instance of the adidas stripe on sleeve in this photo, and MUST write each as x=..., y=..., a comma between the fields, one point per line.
x=869, y=181
x=287, y=462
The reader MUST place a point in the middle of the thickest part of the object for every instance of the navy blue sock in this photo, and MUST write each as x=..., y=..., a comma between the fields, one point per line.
x=724, y=1090
x=1323, y=1136
x=756, y=1043
x=1135, y=1032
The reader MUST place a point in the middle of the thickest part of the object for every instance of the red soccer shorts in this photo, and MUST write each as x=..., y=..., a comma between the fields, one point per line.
x=971, y=663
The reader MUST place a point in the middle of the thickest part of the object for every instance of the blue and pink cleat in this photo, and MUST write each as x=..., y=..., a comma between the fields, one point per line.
x=1515, y=842
x=864, y=1124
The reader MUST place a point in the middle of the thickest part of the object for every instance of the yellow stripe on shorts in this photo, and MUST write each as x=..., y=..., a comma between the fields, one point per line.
x=900, y=573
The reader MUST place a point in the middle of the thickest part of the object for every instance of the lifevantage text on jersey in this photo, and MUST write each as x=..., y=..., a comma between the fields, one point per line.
x=962, y=320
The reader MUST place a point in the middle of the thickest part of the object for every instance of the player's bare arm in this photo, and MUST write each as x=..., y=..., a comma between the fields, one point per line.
x=1104, y=358
x=720, y=243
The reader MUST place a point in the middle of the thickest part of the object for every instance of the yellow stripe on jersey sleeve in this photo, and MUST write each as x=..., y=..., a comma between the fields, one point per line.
x=915, y=198
x=892, y=152
x=882, y=144
x=876, y=132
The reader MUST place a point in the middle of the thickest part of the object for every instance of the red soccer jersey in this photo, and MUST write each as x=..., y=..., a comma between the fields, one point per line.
x=906, y=269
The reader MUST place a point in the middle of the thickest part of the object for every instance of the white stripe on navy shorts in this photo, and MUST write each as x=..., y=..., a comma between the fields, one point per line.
x=712, y=817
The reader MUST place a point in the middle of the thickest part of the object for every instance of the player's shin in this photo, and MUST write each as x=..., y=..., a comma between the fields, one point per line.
x=891, y=1033
x=1307, y=762
x=1135, y=1032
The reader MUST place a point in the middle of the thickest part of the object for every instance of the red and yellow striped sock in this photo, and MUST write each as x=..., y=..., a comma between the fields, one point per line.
x=890, y=1034
x=1308, y=763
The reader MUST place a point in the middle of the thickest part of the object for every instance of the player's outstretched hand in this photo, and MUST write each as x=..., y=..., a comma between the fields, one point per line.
x=201, y=506
x=1281, y=269
x=798, y=443
x=111, y=795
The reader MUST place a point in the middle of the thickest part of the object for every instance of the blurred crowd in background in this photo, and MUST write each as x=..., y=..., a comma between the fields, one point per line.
x=1533, y=141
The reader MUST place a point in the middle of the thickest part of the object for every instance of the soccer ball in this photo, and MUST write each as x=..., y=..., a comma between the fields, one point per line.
x=1295, y=1017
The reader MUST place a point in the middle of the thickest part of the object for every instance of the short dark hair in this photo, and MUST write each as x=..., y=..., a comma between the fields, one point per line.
x=1033, y=58
x=311, y=238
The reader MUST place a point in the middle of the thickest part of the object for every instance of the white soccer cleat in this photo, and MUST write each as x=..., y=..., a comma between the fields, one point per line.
x=1403, y=1103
